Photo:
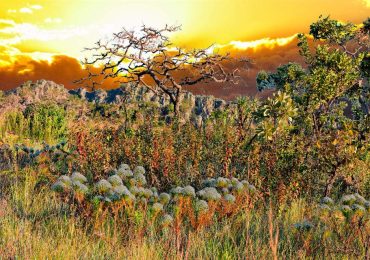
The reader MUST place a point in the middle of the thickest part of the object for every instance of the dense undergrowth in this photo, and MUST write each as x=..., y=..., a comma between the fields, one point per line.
x=303, y=155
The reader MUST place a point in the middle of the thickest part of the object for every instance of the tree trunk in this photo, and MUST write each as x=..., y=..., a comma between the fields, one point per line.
x=177, y=103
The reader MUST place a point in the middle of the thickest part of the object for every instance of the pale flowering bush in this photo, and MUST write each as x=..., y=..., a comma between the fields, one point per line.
x=209, y=193
x=346, y=220
x=129, y=188
x=121, y=190
x=139, y=179
x=65, y=179
x=201, y=206
x=164, y=198
x=157, y=207
x=79, y=187
x=139, y=170
x=103, y=186
x=115, y=180
x=327, y=201
x=348, y=204
x=66, y=184
x=60, y=186
x=221, y=182
x=348, y=199
x=238, y=186
x=124, y=171
x=166, y=220
x=229, y=198
x=189, y=191
x=177, y=191
x=76, y=176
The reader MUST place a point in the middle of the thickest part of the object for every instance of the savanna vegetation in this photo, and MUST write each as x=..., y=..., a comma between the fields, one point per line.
x=284, y=177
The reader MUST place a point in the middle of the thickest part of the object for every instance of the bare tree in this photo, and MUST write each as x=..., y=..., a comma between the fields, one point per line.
x=147, y=57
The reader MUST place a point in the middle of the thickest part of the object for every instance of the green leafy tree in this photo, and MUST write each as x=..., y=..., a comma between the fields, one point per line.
x=331, y=97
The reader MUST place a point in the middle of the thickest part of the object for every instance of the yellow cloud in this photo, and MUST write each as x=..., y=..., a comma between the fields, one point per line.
x=265, y=42
x=53, y=20
x=18, y=32
x=36, y=7
x=7, y=22
x=26, y=10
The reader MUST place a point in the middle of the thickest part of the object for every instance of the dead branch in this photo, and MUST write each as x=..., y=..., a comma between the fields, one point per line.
x=147, y=57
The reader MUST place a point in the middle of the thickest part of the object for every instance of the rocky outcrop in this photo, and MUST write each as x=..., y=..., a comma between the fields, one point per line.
x=192, y=105
x=38, y=91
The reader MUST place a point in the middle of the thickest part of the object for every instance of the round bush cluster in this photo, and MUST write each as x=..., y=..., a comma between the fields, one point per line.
x=327, y=201
x=201, y=205
x=129, y=186
x=230, y=198
x=75, y=182
x=209, y=193
x=349, y=209
x=348, y=204
x=78, y=177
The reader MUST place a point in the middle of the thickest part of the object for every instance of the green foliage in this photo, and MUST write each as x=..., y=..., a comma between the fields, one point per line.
x=331, y=103
x=332, y=30
x=281, y=80
x=41, y=122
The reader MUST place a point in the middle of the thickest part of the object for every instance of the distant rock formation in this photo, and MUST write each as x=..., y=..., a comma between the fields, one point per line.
x=30, y=92
x=194, y=107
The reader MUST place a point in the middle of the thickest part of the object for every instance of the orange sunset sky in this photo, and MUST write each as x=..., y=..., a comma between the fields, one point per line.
x=43, y=39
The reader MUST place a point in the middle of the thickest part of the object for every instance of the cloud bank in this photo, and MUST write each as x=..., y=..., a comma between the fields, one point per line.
x=62, y=69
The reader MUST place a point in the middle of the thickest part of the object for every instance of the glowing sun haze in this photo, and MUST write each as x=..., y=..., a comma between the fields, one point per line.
x=34, y=32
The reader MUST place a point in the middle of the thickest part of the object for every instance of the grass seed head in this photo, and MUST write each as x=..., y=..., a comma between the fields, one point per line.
x=139, y=170
x=115, y=180
x=164, y=198
x=140, y=178
x=359, y=199
x=157, y=207
x=66, y=180
x=209, y=193
x=166, y=220
x=201, y=206
x=60, y=186
x=125, y=174
x=348, y=199
x=103, y=186
x=124, y=167
x=189, y=191
x=327, y=201
x=229, y=198
x=222, y=182
x=76, y=176
x=80, y=187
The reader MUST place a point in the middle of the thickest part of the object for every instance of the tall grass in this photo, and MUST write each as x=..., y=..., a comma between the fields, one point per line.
x=42, y=122
x=34, y=223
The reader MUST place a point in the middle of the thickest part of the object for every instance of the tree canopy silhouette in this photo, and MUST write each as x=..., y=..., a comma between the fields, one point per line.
x=148, y=57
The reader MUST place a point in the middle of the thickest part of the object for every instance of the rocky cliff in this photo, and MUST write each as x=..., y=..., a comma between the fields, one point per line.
x=193, y=106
